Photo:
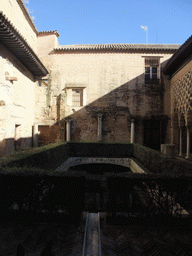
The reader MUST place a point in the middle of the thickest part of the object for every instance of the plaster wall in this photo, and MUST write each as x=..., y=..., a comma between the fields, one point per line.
x=17, y=16
x=18, y=98
x=102, y=75
x=113, y=85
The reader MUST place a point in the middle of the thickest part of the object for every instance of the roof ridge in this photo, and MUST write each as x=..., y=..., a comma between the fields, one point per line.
x=167, y=47
x=49, y=32
x=117, y=43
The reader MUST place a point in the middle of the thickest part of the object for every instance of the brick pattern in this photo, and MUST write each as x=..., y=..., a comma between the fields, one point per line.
x=147, y=240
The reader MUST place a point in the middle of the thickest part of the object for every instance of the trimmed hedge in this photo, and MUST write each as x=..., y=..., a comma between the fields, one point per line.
x=49, y=157
x=55, y=192
x=100, y=149
x=46, y=158
x=156, y=162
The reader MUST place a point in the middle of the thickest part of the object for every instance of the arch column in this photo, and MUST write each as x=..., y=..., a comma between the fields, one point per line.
x=99, y=131
x=35, y=135
x=180, y=141
x=132, y=139
x=188, y=143
x=181, y=123
x=68, y=130
x=188, y=122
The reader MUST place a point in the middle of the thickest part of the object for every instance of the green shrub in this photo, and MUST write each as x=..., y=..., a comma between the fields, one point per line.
x=100, y=149
x=45, y=158
x=156, y=162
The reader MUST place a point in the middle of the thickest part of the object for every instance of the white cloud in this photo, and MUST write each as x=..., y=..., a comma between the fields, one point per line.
x=30, y=13
x=26, y=1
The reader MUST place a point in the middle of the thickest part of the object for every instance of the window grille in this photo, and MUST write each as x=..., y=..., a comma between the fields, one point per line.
x=77, y=97
x=152, y=62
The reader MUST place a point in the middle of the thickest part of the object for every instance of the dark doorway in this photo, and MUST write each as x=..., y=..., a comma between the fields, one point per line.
x=154, y=133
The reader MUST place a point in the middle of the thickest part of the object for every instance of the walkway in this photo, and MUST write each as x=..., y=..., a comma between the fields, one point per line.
x=92, y=246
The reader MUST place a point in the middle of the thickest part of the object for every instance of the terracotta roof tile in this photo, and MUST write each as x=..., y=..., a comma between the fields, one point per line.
x=49, y=32
x=153, y=47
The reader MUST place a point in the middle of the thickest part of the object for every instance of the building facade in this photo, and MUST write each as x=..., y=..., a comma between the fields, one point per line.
x=112, y=92
x=179, y=72
x=107, y=92
x=19, y=73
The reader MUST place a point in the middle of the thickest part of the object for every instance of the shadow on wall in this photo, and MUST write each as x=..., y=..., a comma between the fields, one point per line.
x=9, y=145
x=133, y=100
x=5, y=54
x=49, y=134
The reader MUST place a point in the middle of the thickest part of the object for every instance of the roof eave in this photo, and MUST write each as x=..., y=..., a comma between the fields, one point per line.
x=180, y=58
x=18, y=46
x=118, y=47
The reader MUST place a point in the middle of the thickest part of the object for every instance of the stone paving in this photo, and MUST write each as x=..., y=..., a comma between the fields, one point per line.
x=145, y=240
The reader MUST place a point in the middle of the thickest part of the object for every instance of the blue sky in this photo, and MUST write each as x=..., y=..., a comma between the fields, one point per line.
x=114, y=21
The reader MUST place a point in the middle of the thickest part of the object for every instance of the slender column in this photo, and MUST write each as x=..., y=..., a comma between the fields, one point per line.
x=68, y=130
x=99, y=133
x=35, y=136
x=188, y=143
x=180, y=141
x=132, y=131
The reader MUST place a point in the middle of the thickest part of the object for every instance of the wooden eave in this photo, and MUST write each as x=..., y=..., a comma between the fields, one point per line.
x=18, y=46
x=179, y=59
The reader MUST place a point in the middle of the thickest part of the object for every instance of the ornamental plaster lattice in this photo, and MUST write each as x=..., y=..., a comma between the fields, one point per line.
x=182, y=95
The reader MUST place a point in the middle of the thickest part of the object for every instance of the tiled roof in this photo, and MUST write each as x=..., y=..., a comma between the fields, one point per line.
x=18, y=46
x=127, y=47
x=179, y=58
x=49, y=32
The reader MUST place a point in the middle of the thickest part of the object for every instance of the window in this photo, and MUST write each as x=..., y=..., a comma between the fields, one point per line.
x=152, y=70
x=43, y=82
x=77, y=97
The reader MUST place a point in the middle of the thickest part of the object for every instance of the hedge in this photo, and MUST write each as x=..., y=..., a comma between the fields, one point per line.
x=156, y=162
x=49, y=157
